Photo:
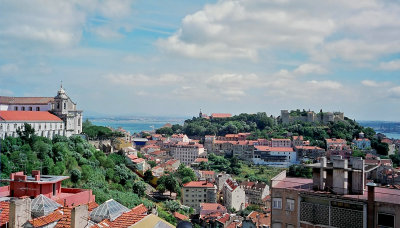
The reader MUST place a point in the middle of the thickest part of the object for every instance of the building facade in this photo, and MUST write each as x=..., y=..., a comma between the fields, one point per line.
x=61, y=106
x=187, y=153
x=45, y=124
x=234, y=195
x=196, y=192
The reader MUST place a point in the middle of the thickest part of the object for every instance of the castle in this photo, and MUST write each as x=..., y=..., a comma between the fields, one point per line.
x=310, y=116
x=49, y=116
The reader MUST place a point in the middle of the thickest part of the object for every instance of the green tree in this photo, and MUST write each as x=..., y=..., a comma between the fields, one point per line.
x=75, y=175
x=139, y=187
x=172, y=205
x=148, y=176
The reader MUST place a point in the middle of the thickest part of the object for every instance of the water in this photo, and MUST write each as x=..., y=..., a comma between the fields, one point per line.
x=391, y=135
x=133, y=126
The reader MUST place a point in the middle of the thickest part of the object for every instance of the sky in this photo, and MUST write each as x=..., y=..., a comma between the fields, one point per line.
x=173, y=58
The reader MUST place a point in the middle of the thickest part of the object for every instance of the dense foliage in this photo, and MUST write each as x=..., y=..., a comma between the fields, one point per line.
x=229, y=165
x=98, y=132
x=87, y=167
x=300, y=171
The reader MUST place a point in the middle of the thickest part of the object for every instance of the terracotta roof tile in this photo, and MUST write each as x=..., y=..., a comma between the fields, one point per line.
x=198, y=184
x=5, y=208
x=26, y=100
x=47, y=219
x=180, y=216
x=28, y=116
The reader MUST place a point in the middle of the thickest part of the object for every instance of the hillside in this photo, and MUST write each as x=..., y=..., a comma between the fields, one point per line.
x=88, y=168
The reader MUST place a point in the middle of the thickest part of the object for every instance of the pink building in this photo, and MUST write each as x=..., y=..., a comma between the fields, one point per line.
x=22, y=185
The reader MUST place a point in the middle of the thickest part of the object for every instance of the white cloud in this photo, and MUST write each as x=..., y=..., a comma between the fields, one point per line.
x=395, y=92
x=371, y=83
x=6, y=92
x=310, y=69
x=142, y=79
x=323, y=29
x=391, y=65
x=239, y=29
x=325, y=84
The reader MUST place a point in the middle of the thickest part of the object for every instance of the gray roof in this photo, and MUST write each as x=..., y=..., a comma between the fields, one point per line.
x=42, y=206
x=110, y=209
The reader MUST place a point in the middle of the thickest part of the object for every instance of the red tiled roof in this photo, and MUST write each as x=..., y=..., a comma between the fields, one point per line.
x=231, y=184
x=132, y=157
x=224, y=218
x=5, y=208
x=207, y=172
x=280, y=139
x=28, y=116
x=335, y=140
x=212, y=207
x=276, y=149
x=171, y=162
x=126, y=219
x=65, y=221
x=199, y=160
x=234, y=225
x=26, y=100
x=180, y=216
x=198, y=184
x=47, y=219
x=221, y=115
x=138, y=160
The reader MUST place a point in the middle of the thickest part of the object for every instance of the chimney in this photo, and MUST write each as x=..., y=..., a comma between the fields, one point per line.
x=371, y=205
x=20, y=212
x=36, y=174
x=79, y=216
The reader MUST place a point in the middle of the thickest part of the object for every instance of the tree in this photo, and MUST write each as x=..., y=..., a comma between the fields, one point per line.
x=75, y=175
x=170, y=183
x=152, y=163
x=27, y=133
x=172, y=205
x=184, y=171
x=148, y=176
x=139, y=187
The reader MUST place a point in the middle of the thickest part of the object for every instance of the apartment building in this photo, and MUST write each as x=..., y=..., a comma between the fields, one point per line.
x=274, y=156
x=196, y=192
x=187, y=153
x=234, y=195
x=281, y=143
x=255, y=192
x=336, y=196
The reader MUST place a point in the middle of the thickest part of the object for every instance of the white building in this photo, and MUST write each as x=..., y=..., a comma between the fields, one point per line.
x=60, y=105
x=187, y=152
x=179, y=138
x=44, y=123
x=274, y=156
x=234, y=195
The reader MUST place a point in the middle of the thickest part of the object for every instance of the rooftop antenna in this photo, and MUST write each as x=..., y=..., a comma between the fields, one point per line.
x=61, y=83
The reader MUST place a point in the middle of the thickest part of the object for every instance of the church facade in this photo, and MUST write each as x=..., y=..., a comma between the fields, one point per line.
x=14, y=111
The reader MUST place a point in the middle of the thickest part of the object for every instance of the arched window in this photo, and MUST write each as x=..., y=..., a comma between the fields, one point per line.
x=37, y=108
x=58, y=105
x=23, y=108
x=16, y=108
x=30, y=108
x=65, y=105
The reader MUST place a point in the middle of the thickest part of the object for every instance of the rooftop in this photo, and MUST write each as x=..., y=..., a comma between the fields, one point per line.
x=28, y=116
x=26, y=100
x=198, y=184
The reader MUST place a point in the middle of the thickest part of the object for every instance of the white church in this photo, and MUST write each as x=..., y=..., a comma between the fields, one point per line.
x=49, y=116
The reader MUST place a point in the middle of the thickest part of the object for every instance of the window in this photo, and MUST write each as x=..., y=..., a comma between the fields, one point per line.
x=65, y=105
x=37, y=108
x=54, y=189
x=30, y=108
x=289, y=226
x=58, y=105
x=277, y=203
x=277, y=225
x=289, y=205
x=23, y=108
x=385, y=220
x=16, y=108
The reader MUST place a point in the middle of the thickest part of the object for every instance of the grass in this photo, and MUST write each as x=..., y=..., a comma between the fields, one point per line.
x=257, y=173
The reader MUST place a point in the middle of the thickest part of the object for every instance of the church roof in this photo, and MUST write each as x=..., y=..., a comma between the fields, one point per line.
x=27, y=116
x=42, y=205
x=26, y=100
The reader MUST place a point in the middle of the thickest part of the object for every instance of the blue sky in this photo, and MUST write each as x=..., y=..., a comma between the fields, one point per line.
x=171, y=58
